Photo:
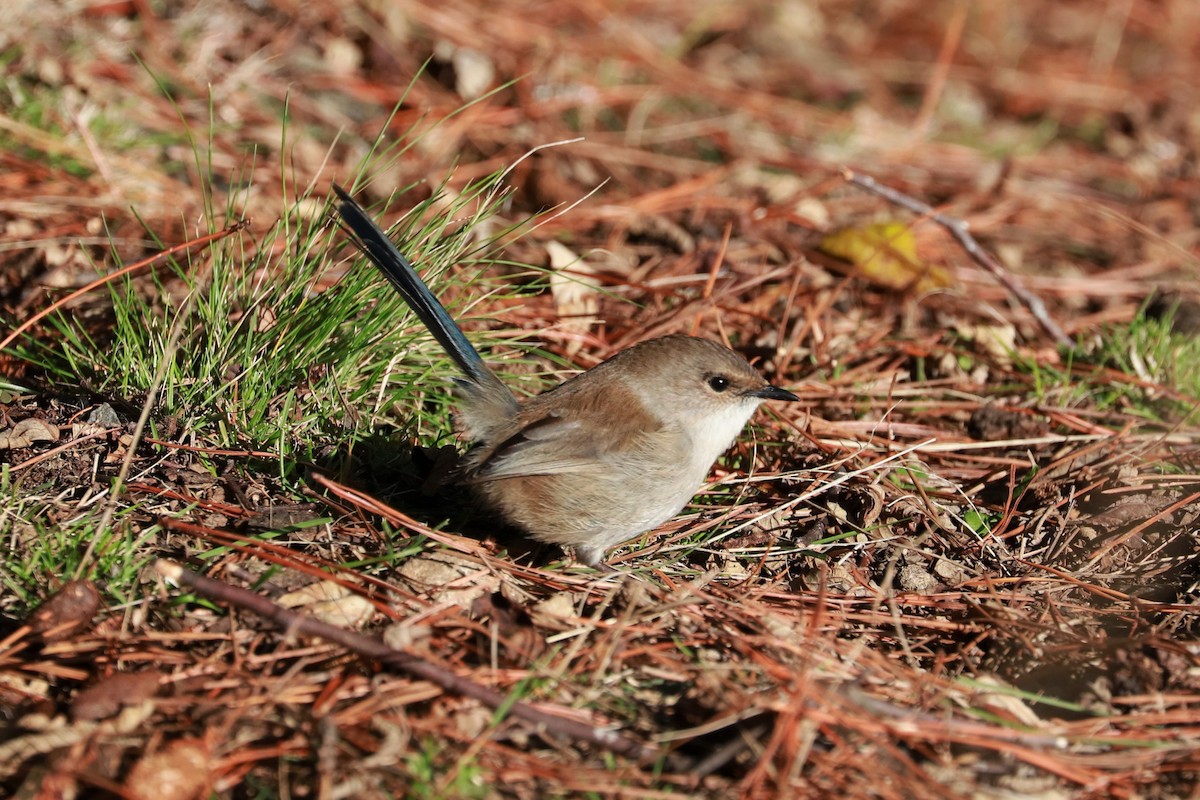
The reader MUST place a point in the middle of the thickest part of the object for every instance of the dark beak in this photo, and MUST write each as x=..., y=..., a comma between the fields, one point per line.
x=772, y=393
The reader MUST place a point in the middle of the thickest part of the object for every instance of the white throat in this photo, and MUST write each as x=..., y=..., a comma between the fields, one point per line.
x=713, y=432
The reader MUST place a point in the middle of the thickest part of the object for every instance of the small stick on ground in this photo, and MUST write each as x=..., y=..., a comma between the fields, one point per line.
x=293, y=622
x=958, y=229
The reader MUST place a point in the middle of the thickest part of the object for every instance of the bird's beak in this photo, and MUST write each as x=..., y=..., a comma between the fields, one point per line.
x=772, y=393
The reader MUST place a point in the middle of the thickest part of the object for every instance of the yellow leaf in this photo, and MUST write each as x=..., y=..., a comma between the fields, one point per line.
x=886, y=254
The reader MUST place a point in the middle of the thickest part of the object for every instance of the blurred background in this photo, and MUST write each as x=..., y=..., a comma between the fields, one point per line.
x=1064, y=133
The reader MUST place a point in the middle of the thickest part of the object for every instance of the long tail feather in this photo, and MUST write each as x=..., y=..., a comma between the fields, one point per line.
x=375, y=244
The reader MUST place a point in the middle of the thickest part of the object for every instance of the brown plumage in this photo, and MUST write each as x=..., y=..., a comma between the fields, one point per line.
x=605, y=456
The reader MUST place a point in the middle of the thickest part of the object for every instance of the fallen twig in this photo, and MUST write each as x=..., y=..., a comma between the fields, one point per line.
x=294, y=622
x=958, y=229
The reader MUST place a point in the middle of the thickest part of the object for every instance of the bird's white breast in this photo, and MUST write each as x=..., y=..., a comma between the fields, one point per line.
x=713, y=431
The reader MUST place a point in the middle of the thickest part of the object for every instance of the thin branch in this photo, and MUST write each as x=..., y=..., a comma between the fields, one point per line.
x=416, y=666
x=958, y=229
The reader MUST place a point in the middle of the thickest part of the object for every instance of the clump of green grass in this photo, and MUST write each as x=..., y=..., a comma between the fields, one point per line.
x=1161, y=368
x=265, y=361
x=1151, y=349
x=47, y=540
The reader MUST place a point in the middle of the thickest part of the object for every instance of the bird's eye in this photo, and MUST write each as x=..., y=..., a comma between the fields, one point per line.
x=718, y=383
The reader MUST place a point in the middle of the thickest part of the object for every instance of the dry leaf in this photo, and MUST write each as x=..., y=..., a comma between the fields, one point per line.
x=342, y=56
x=885, y=254
x=916, y=578
x=331, y=603
x=67, y=611
x=441, y=575
x=473, y=73
x=473, y=69
x=997, y=341
x=105, y=698
x=1004, y=704
x=406, y=636
x=556, y=611
x=178, y=772
x=574, y=287
x=26, y=432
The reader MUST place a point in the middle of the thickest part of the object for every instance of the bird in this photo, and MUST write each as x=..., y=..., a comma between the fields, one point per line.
x=607, y=455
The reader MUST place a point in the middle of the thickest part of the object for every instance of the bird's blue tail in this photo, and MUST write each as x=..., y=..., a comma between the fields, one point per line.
x=379, y=248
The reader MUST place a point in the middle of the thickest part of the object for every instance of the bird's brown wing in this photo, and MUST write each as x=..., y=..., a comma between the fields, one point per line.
x=571, y=438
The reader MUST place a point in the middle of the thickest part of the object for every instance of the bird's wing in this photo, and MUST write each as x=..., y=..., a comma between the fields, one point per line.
x=561, y=442
x=549, y=446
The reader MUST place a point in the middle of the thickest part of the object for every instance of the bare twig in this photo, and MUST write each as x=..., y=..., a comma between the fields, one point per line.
x=406, y=662
x=958, y=229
